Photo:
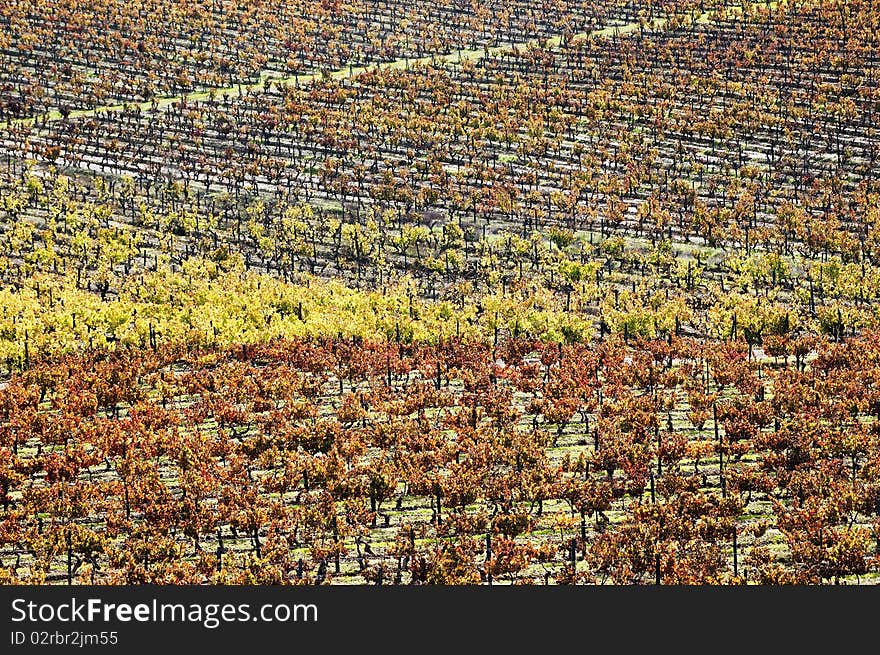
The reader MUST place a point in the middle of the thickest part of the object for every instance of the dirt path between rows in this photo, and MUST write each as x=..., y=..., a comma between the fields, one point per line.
x=353, y=71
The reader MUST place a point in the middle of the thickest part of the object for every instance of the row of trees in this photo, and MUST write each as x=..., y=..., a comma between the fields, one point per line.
x=639, y=134
x=75, y=277
x=74, y=55
x=530, y=462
